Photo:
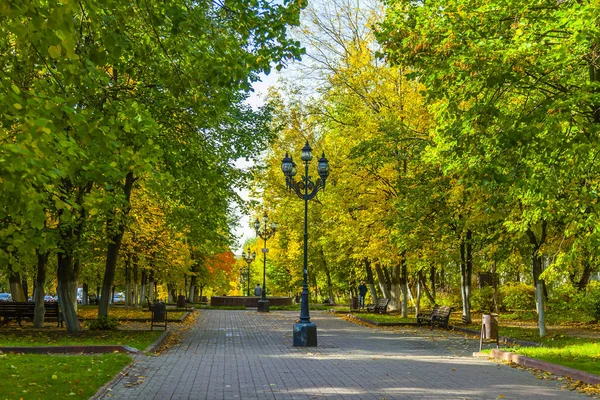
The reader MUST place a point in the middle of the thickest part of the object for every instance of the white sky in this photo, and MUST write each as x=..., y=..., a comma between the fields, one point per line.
x=245, y=230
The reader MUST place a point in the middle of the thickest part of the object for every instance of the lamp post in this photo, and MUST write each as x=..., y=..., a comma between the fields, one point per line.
x=305, y=332
x=243, y=272
x=248, y=257
x=264, y=231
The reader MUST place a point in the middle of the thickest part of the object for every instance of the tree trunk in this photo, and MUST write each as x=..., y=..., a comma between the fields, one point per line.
x=67, y=289
x=128, y=294
x=395, y=301
x=328, y=278
x=136, y=295
x=16, y=288
x=585, y=277
x=151, y=285
x=115, y=226
x=25, y=287
x=40, y=290
x=495, y=286
x=536, y=262
x=84, y=294
x=465, y=279
x=382, y=281
x=432, y=280
x=143, y=285
x=370, y=281
x=418, y=298
x=404, y=286
x=424, y=288
x=539, y=300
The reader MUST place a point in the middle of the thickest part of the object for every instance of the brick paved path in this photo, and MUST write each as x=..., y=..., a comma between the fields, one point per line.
x=246, y=355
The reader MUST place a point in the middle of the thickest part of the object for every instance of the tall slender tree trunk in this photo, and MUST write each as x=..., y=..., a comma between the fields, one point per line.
x=417, y=298
x=128, y=291
x=151, y=292
x=115, y=227
x=40, y=289
x=536, y=262
x=424, y=288
x=465, y=277
x=370, y=281
x=432, y=280
x=396, y=300
x=136, y=271
x=404, y=285
x=382, y=281
x=143, y=286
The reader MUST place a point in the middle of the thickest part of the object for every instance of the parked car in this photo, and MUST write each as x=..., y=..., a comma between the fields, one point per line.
x=119, y=297
x=49, y=298
x=5, y=297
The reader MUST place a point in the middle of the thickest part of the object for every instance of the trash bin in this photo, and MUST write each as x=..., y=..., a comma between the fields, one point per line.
x=354, y=303
x=489, y=326
x=159, y=314
x=489, y=329
x=181, y=301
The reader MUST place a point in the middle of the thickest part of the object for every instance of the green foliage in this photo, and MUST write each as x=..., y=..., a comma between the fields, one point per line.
x=104, y=323
x=517, y=296
x=565, y=298
x=483, y=299
x=591, y=301
x=449, y=298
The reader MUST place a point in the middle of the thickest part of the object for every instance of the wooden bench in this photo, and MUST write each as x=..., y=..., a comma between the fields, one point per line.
x=19, y=311
x=93, y=299
x=440, y=316
x=380, y=307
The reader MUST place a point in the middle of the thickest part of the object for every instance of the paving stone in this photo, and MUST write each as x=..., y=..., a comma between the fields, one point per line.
x=247, y=355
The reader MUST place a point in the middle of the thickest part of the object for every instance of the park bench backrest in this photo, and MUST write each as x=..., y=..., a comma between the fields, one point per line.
x=441, y=311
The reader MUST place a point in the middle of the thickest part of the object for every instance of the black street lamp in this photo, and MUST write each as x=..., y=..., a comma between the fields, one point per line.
x=264, y=231
x=305, y=332
x=243, y=273
x=248, y=257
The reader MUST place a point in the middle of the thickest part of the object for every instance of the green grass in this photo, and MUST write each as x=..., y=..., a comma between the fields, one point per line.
x=386, y=318
x=553, y=317
x=584, y=356
x=34, y=376
x=136, y=339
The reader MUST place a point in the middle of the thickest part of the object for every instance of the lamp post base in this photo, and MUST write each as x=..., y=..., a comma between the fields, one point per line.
x=263, y=305
x=305, y=334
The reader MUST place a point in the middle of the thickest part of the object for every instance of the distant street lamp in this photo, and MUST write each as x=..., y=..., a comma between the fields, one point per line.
x=305, y=332
x=243, y=272
x=264, y=231
x=248, y=257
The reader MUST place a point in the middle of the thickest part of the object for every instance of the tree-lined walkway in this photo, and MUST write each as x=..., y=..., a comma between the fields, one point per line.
x=246, y=355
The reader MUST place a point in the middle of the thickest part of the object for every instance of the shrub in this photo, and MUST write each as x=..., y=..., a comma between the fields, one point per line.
x=483, y=299
x=103, y=324
x=591, y=301
x=566, y=298
x=518, y=296
x=448, y=298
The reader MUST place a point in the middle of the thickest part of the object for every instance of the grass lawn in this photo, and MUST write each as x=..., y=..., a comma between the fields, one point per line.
x=122, y=313
x=19, y=337
x=387, y=318
x=582, y=353
x=584, y=356
x=29, y=376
